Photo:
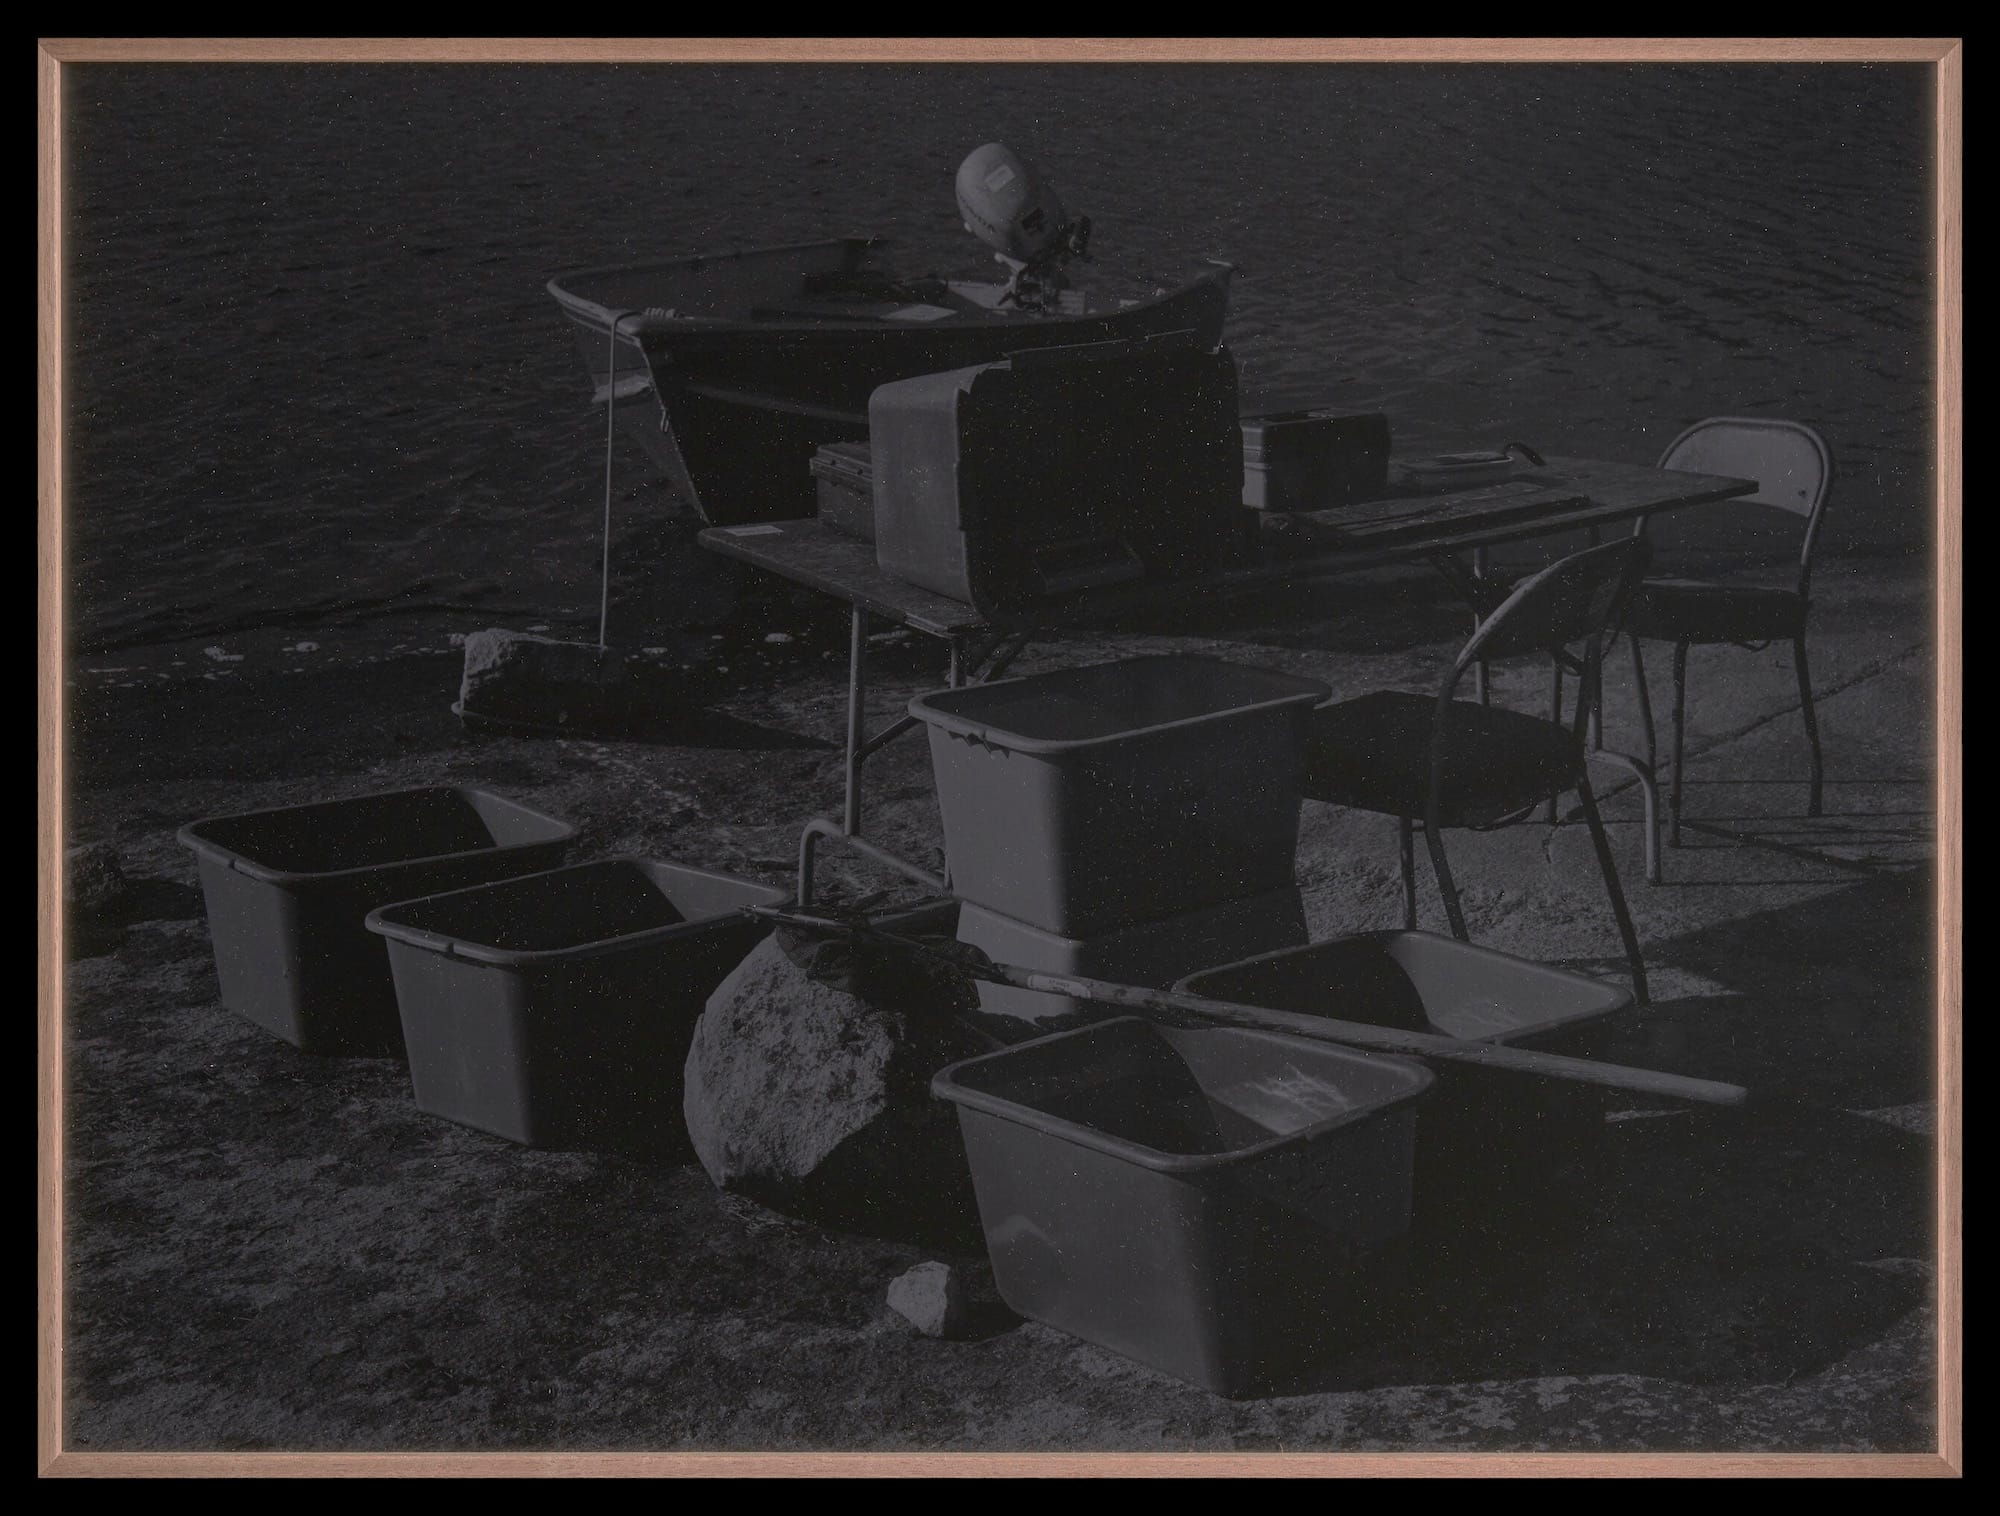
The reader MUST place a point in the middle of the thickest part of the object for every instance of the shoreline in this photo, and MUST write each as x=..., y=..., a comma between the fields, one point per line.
x=269, y=1250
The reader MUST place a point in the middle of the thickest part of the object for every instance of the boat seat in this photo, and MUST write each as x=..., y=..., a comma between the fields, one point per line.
x=826, y=310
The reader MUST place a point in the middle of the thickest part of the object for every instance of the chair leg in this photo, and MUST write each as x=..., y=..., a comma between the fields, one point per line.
x=1645, y=705
x=1556, y=715
x=1434, y=840
x=1680, y=743
x=1406, y=836
x=1481, y=686
x=1812, y=721
x=1618, y=907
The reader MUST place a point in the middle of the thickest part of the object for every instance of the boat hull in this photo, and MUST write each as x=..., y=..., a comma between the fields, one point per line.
x=739, y=406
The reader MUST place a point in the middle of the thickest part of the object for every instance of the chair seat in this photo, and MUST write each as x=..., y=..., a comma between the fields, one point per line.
x=1693, y=610
x=1374, y=753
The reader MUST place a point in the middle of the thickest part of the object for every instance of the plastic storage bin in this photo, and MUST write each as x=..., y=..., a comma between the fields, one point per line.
x=555, y=1010
x=1309, y=460
x=846, y=484
x=1096, y=798
x=1215, y=1203
x=1488, y=1144
x=1152, y=954
x=288, y=891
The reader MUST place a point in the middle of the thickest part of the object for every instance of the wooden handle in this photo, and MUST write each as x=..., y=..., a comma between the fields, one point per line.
x=1354, y=1034
x=1380, y=1039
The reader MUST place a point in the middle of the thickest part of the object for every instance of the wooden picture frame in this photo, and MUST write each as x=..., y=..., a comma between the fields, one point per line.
x=1945, y=59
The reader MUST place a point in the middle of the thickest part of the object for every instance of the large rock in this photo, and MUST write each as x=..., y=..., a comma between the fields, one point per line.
x=808, y=1088
x=540, y=681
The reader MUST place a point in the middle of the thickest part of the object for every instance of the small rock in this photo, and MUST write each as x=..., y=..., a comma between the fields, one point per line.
x=93, y=881
x=777, y=636
x=515, y=676
x=930, y=1298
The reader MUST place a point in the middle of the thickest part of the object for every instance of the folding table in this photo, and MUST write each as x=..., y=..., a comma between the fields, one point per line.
x=1564, y=495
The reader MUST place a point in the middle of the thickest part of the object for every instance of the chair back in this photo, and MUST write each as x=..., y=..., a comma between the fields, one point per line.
x=1790, y=462
x=1575, y=599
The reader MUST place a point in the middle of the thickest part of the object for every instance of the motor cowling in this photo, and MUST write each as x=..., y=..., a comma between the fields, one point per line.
x=1010, y=207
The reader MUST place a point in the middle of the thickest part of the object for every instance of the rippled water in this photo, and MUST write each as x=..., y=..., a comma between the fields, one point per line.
x=317, y=380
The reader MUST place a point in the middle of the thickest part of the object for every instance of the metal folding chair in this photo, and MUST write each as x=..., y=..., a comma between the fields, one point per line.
x=1794, y=472
x=1447, y=762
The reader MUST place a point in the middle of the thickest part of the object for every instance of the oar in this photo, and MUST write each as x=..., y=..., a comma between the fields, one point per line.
x=1377, y=1039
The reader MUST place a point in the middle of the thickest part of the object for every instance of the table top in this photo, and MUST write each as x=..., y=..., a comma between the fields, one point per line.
x=1569, y=494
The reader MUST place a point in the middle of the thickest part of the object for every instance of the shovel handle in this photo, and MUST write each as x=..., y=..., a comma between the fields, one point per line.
x=1353, y=1034
x=1380, y=1039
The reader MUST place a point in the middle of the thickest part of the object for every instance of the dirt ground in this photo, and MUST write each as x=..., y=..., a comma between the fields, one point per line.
x=271, y=1251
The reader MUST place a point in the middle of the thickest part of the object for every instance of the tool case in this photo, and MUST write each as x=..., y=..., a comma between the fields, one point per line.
x=1306, y=460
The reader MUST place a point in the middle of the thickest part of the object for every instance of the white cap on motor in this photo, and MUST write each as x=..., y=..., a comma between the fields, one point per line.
x=1007, y=205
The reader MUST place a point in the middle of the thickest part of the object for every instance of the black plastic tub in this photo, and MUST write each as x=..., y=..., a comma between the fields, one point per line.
x=556, y=1010
x=1493, y=1149
x=288, y=891
x=1219, y=1204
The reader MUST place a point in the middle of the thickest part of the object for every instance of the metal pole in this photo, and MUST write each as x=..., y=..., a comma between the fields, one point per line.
x=610, y=436
x=857, y=695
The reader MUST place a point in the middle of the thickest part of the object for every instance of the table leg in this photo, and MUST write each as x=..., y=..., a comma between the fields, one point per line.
x=857, y=698
x=996, y=656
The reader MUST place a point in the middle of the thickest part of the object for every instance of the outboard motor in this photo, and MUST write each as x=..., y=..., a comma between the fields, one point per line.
x=1007, y=205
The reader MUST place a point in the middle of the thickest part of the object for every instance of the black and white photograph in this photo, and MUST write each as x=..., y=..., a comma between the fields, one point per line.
x=998, y=753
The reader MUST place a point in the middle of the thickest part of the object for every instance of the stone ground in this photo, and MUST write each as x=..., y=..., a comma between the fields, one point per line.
x=269, y=1251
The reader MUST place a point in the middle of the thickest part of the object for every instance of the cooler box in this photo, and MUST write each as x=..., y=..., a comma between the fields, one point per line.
x=1056, y=472
x=288, y=891
x=1219, y=1204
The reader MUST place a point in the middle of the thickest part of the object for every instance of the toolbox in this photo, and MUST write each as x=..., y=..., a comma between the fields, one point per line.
x=1307, y=460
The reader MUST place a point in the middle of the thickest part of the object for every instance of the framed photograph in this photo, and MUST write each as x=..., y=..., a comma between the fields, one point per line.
x=732, y=736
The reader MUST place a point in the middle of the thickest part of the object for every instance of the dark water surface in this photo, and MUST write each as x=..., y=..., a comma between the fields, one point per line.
x=317, y=383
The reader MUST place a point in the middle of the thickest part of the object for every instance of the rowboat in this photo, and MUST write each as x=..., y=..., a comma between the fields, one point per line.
x=730, y=369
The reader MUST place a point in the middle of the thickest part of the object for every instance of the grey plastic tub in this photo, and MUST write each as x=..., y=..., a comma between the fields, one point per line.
x=1091, y=799
x=1218, y=1204
x=555, y=1010
x=1490, y=1146
x=1153, y=954
x=288, y=891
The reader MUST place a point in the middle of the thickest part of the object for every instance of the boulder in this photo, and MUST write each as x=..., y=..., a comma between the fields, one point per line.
x=541, y=681
x=808, y=1089
x=931, y=1298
